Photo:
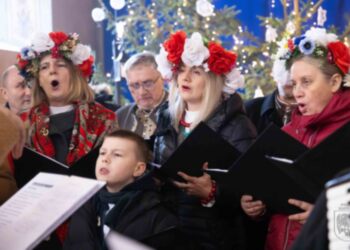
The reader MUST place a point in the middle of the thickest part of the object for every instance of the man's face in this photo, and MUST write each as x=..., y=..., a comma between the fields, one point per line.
x=16, y=92
x=145, y=85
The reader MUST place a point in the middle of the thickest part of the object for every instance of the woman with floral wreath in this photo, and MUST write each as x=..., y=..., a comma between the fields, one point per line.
x=319, y=71
x=204, y=80
x=64, y=123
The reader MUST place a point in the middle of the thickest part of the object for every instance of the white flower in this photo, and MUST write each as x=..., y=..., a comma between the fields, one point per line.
x=195, y=52
x=233, y=81
x=42, y=42
x=347, y=80
x=163, y=65
x=204, y=8
x=206, y=67
x=282, y=49
x=290, y=27
x=270, y=34
x=80, y=54
x=320, y=36
x=280, y=75
x=321, y=16
x=27, y=53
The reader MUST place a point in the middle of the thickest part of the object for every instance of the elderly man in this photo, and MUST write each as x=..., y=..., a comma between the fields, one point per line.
x=147, y=89
x=15, y=91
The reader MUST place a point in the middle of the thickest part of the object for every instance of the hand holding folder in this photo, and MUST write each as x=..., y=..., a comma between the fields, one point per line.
x=202, y=145
x=277, y=167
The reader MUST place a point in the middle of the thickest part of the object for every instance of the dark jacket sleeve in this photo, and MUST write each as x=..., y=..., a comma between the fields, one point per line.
x=83, y=230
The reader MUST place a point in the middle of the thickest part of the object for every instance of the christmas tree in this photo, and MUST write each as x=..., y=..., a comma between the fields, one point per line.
x=148, y=23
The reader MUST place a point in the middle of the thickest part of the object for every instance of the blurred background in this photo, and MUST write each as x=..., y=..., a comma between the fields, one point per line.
x=115, y=29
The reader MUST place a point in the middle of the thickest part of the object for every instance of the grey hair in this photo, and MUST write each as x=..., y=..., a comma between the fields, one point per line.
x=144, y=58
x=4, y=75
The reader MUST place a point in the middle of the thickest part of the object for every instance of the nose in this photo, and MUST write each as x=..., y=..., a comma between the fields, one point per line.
x=297, y=91
x=141, y=90
x=105, y=158
x=52, y=69
x=27, y=91
x=185, y=75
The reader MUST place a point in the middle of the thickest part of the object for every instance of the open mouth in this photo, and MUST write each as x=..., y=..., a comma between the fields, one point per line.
x=54, y=83
x=185, y=87
x=104, y=171
x=301, y=107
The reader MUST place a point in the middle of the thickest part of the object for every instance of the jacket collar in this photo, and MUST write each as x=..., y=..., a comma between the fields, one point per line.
x=225, y=112
x=268, y=104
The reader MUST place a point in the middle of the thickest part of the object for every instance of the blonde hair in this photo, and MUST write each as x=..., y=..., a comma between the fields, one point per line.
x=79, y=88
x=212, y=96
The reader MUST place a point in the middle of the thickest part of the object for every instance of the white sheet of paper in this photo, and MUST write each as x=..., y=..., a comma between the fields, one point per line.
x=40, y=206
x=116, y=241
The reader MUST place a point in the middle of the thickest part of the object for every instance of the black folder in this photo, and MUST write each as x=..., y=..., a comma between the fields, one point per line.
x=32, y=162
x=277, y=167
x=202, y=145
x=254, y=174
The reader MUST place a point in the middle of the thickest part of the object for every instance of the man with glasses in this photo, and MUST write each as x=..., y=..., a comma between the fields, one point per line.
x=15, y=91
x=147, y=89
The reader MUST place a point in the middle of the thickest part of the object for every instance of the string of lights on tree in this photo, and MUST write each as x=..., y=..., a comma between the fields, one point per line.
x=149, y=24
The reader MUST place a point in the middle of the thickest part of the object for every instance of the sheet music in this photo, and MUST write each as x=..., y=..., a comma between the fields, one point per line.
x=116, y=241
x=40, y=206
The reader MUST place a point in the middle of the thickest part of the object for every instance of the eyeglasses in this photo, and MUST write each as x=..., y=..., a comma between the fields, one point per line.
x=149, y=84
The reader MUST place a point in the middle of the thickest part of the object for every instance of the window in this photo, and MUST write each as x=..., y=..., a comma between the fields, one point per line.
x=20, y=19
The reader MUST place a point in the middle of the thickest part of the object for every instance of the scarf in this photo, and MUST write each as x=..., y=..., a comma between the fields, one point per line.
x=312, y=129
x=92, y=122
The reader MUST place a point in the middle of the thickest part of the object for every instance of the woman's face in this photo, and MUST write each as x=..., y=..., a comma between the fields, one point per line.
x=54, y=79
x=311, y=88
x=191, y=83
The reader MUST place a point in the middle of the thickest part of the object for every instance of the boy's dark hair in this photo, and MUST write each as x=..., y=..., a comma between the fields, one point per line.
x=142, y=151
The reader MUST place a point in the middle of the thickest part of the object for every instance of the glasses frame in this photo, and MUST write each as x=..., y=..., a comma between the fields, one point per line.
x=147, y=85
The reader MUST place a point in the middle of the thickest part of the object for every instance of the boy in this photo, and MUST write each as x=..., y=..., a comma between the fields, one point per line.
x=129, y=204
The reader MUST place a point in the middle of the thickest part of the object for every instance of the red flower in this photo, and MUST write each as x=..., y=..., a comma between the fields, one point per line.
x=290, y=45
x=220, y=60
x=175, y=46
x=86, y=67
x=340, y=55
x=20, y=62
x=55, y=52
x=58, y=37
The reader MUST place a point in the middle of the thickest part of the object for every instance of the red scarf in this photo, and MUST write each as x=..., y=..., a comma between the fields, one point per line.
x=312, y=129
x=92, y=122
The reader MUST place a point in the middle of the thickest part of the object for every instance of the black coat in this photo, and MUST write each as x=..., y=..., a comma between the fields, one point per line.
x=138, y=214
x=262, y=111
x=218, y=227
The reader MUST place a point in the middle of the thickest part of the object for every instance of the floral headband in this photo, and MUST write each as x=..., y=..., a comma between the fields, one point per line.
x=317, y=43
x=194, y=51
x=59, y=45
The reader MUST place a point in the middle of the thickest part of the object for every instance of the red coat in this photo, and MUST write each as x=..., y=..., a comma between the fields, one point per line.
x=309, y=130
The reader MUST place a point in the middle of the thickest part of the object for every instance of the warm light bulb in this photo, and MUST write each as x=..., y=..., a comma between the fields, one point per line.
x=117, y=4
x=98, y=15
